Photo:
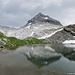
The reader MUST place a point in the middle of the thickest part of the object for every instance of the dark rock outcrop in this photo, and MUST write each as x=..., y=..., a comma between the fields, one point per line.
x=70, y=29
x=41, y=18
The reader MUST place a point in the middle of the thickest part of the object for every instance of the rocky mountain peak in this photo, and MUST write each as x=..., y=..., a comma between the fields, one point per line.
x=40, y=15
x=41, y=18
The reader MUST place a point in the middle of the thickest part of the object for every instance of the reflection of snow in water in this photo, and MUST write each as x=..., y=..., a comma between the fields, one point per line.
x=49, y=48
x=69, y=42
x=70, y=45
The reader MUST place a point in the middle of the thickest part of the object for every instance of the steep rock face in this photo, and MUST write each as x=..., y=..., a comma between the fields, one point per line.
x=41, y=18
x=67, y=33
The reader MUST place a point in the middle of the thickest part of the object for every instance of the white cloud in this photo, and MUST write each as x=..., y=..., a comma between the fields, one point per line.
x=68, y=16
x=46, y=3
x=18, y=12
x=30, y=6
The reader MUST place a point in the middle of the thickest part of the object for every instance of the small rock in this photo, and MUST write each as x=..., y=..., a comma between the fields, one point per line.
x=73, y=33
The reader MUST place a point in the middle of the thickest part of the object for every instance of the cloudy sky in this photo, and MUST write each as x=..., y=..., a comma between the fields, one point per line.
x=16, y=13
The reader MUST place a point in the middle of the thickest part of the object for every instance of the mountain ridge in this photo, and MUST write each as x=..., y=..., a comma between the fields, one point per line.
x=39, y=25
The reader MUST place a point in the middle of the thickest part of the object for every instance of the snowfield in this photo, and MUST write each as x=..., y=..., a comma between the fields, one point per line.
x=69, y=42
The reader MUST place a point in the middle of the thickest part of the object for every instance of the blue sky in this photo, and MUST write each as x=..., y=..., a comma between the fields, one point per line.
x=16, y=13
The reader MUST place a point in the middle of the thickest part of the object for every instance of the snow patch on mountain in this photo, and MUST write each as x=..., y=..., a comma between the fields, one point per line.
x=46, y=18
x=31, y=34
x=28, y=26
x=46, y=36
x=69, y=42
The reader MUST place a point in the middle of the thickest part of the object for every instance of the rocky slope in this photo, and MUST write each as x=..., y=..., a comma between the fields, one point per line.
x=67, y=33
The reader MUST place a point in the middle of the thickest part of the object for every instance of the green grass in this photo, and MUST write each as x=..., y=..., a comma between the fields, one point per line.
x=13, y=43
x=1, y=35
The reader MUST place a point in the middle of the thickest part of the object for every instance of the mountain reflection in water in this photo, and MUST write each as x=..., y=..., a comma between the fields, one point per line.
x=40, y=61
x=67, y=52
x=42, y=57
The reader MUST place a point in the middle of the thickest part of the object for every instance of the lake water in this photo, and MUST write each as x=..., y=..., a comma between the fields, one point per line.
x=36, y=60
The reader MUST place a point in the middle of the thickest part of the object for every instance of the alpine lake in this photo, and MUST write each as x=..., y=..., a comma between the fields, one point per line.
x=38, y=59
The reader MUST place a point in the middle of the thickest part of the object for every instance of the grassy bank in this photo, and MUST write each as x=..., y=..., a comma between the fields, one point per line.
x=13, y=43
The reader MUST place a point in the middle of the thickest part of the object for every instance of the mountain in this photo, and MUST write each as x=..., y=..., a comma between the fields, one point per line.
x=40, y=26
x=40, y=29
